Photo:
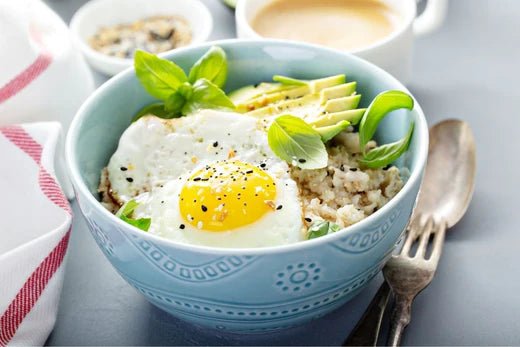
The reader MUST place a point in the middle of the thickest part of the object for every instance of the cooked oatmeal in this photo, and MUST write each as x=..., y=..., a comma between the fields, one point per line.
x=344, y=193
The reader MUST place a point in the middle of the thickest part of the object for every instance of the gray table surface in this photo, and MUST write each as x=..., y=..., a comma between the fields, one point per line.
x=469, y=70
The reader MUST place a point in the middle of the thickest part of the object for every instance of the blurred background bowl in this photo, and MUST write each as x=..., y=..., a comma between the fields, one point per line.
x=245, y=290
x=105, y=13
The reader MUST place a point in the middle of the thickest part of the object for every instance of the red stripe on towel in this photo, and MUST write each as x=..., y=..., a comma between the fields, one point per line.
x=33, y=287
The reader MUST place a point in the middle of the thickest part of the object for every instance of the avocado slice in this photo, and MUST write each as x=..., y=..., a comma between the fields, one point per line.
x=342, y=104
x=352, y=116
x=300, y=107
x=329, y=132
x=338, y=91
x=249, y=92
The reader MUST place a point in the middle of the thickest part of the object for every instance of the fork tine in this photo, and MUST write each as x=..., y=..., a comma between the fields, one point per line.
x=438, y=241
x=424, y=238
x=411, y=235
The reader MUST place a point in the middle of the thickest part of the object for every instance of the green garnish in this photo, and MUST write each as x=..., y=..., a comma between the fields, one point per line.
x=127, y=210
x=383, y=104
x=296, y=142
x=157, y=109
x=321, y=228
x=160, y=77
x=207, y=95
x=181, y=94
x=386, y=154
x=212, y=66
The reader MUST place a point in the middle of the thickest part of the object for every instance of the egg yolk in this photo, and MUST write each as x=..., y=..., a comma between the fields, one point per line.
x=227, y=195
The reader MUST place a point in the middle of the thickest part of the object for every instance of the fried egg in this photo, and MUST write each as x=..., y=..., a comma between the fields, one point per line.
x=207, y=179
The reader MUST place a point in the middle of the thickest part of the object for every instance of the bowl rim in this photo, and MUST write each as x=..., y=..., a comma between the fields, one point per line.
x=85, y=11
x=416, y=174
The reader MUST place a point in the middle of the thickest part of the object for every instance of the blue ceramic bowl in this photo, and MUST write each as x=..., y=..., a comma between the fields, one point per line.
x=244, y=290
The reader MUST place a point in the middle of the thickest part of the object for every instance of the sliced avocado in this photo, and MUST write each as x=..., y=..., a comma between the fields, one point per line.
x=352, y=116
x=272, y=97
x=341, y=90
x=322, y=83
x=309, y=106
x=329, y=132
x=248, y=99
x=342, y=104
x=301, y=107
x=249, y=92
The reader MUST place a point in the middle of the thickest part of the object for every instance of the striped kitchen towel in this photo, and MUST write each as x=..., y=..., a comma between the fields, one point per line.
x=35, y=219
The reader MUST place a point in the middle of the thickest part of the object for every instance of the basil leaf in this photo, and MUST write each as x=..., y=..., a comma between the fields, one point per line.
x=321, y=228
x=327, y=133
x=382, y=104
x=175, y=103
x=156, y=109
x=296, y=142
x=128, y=209
x=207, y=95
x=211, y=66
x=160, y=77
x=125, y=213
x=141, y=223
x=289, y=81
x=386, y=154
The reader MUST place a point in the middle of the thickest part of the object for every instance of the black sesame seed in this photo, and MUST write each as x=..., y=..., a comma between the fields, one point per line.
x=263, y=165
x=308, y=220
x=279, y=207
x=342, y=167
x=196, y=179
x=130, y=179
x=249, y=171
x=204, y=208
x=215, y=144
x=123, y=168
x=162, y=202
x=182, y=226
x=353, y=169
x=302, y=161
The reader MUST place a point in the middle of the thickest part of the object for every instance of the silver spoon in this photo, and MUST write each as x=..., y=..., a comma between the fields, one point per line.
x=445, y=195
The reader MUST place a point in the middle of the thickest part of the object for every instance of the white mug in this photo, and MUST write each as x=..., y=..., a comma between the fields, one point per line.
x=393, y=53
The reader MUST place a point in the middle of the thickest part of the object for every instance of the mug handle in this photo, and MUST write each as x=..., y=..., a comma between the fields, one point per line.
x=431, y=18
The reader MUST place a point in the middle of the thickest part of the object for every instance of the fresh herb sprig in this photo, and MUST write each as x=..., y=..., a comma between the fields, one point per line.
x=383, y=104
x=181, y=94
x=302, y=144
x=126, y=212
x=299, y=143
x=321, y=228
x=296, y=142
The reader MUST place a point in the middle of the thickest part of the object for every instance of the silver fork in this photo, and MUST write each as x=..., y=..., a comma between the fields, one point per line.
x=408, y=274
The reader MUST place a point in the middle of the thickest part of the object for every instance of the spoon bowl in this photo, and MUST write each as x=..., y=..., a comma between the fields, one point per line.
x=447, y=189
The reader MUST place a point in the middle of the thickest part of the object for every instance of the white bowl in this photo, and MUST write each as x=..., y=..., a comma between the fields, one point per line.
x=101, y=13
